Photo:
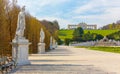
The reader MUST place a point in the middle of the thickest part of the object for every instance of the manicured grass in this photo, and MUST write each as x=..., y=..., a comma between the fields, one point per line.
x=106, y=49
x=68, y=33
x=102, y=32
x=65, y=34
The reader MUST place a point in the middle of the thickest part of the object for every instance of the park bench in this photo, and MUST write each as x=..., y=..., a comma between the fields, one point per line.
x=6, y=64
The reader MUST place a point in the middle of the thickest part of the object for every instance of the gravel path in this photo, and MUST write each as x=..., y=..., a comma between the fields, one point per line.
x=70, y=60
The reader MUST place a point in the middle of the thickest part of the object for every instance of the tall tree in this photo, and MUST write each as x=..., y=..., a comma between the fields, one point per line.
x=77, y=34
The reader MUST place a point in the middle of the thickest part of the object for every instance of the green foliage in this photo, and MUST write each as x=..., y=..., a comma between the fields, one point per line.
x=68, y=33
x=59, y=41
x=78, y=34
x=115, y=36
x=98, y=37
x=67, y=41
x=91, y=37
x=88, y=37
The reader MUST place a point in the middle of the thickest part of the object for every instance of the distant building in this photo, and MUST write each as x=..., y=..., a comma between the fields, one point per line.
x=83, y=25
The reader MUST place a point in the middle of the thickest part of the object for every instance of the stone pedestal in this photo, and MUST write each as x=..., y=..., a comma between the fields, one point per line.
x=20, y=49
x=51, y=46
x=41, y=48
x=56, y=45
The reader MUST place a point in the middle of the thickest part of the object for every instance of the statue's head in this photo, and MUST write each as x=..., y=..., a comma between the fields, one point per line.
x=23, y=8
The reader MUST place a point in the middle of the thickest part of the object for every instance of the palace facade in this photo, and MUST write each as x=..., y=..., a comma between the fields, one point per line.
x=83, y=25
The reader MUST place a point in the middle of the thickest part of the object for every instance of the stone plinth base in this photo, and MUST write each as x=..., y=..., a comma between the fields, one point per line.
x=51, y=47
x=54, y=45
x=20, y=49
x=41, y=48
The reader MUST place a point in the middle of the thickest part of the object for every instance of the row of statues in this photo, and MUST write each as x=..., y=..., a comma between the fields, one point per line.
x=20, y=45
x=21, y=27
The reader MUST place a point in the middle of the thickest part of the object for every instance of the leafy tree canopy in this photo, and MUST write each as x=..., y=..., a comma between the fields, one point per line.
x=78, y=32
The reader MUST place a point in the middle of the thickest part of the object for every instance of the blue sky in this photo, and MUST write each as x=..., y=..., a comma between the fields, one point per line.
x=100, y=12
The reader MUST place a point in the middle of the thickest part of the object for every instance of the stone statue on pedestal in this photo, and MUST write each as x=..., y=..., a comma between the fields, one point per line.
x=42, y=36
x=20, y=24
x=20, y=45
x=41, y=45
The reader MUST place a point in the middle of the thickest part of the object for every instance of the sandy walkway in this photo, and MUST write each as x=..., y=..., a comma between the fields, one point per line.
x=70, y=60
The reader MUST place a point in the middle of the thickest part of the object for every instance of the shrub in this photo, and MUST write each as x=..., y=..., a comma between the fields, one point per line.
x=67, y=41
x=59, y=41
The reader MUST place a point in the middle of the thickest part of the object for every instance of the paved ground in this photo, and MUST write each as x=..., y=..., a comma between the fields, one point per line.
x=69, y=60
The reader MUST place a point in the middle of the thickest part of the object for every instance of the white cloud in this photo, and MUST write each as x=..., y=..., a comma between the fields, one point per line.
x=109, y=15
x=51, y=2
x=40, y=3
x=87, y=7
x=96, y=5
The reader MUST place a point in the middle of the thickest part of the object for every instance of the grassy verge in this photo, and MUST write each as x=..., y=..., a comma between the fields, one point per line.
x=106, y=49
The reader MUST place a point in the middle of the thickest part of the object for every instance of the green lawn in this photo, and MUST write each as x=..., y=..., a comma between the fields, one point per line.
x=68, y=33
x=65, y=34
x=105, y=49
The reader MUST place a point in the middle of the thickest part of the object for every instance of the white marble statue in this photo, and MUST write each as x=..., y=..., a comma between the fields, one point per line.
x=42, y=36
x=21, y=23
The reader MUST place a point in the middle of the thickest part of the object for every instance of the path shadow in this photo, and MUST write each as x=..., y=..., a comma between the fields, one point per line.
x=50, y=55
x=57, y=60
x=65, y=68
x=59, y=51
